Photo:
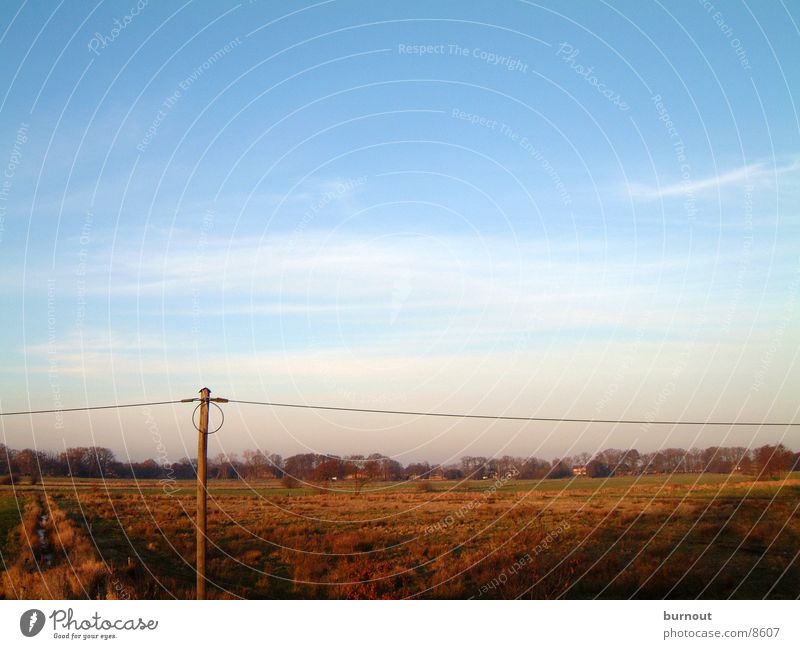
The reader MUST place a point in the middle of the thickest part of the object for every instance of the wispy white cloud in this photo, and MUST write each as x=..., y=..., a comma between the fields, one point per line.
x=404, y=286
x=758, y=174
x=449, y=295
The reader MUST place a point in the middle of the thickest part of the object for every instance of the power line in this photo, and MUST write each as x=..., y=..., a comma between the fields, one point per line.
x=415, y=413
x=510, y=418
x=109, y=407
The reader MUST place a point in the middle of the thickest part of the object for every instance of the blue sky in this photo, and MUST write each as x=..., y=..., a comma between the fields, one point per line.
x=587, y=210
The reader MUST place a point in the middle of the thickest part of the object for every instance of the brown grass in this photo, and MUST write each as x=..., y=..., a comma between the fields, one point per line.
x=57, y=560
x=678, y=542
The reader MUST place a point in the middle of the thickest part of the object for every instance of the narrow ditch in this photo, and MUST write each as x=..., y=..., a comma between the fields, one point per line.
x=45, y=549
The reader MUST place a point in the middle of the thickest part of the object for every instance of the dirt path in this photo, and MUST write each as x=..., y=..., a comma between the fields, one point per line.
x=57, y=560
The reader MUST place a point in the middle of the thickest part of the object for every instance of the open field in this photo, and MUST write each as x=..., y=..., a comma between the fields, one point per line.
x=682, y=536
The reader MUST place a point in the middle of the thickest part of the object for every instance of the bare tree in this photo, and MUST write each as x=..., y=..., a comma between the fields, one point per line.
x=771, y=461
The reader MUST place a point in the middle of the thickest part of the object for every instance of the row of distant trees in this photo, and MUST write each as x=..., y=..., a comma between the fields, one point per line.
x=765, y=460
x=95, y=462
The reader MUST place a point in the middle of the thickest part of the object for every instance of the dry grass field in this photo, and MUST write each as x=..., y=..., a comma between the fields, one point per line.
x=687, y=536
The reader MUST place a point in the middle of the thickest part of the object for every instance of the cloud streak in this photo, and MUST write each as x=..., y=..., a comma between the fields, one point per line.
x=759, y=174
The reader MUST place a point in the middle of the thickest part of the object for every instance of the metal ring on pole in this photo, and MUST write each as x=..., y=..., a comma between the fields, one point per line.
x=221, y=412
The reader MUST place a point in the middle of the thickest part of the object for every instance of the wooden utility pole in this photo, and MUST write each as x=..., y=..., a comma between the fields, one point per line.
x=202, y=491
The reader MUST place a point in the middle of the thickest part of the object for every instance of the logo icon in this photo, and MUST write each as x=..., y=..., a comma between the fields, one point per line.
x=31, y=622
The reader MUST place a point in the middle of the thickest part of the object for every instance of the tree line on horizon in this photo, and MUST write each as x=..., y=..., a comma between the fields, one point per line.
x=100, y=462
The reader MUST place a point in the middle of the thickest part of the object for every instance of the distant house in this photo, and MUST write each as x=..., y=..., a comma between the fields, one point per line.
x=579, y=469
